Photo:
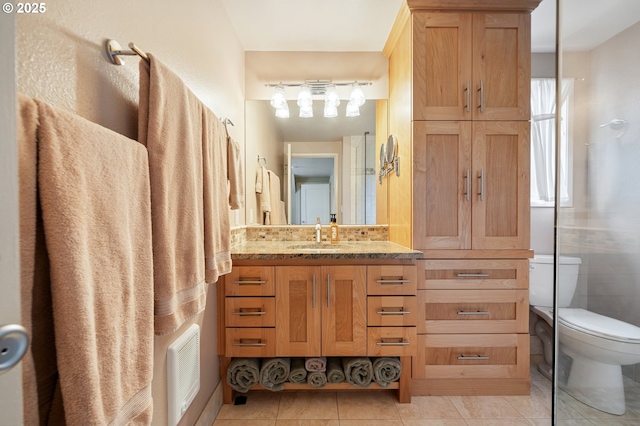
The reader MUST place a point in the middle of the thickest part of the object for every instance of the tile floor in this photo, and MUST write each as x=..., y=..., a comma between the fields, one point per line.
x=380, y=408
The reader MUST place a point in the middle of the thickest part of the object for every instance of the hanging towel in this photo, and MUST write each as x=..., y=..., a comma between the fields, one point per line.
x=316, y=364
x=334, y=370
x=264, y=195
x=243, y=373
x=92, y=251
x=386, y=370
x=298, y=373
x=358, y=371
x=317, y=379
x=277, y=206
x=235, y=175
x=217, y=231
x=274, y=372
x=170, y=126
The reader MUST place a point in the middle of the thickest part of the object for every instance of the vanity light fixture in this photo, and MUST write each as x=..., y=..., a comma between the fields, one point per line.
x=325, y=88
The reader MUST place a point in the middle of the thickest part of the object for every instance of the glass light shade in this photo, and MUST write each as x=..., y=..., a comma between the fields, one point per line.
x=304, y=96
x=306, y=111
x=357, y=95
x=331, y=96
x=278, y=99
x=353, y=110
x=330, y=110
x=283, y=111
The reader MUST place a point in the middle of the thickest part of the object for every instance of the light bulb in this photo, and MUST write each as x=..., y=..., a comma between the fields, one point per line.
x=352, y=110
x=283, y=111
x=277, y=99
x=304, y=96
x=357, y=95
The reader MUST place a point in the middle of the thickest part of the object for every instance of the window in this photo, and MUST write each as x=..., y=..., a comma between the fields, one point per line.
x=543, y=144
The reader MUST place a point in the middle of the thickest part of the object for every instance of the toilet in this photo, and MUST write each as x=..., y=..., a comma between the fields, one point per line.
x=593, y=347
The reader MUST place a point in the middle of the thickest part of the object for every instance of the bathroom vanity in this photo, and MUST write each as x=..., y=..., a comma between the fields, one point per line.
x=305, y=299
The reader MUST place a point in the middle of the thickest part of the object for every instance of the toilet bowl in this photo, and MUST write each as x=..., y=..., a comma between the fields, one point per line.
x=597, y=346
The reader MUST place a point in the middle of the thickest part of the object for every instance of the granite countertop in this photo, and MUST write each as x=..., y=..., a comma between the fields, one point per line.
x=259, y=250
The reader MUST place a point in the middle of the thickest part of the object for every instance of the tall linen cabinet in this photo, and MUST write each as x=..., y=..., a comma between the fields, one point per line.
x=459, y=89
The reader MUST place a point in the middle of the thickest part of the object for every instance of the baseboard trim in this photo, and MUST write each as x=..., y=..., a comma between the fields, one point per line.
x=470, y=387
x=210, y=412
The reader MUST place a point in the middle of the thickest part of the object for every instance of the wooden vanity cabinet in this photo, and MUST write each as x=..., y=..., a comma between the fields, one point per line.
x=471, y=181
x=471, y=66
x=321, y=311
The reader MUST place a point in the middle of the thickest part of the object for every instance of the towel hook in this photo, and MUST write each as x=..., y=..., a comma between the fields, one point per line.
x=114, y=51
x=263, y=159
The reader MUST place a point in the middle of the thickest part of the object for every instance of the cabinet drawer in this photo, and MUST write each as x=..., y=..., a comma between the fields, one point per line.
x=250, y=342
x=392, y=311
x=250, y=281
x=391, y=280
x=392, y=341
x=472, y=356
x=483, y=311
x=482, y=274
x=250, y=312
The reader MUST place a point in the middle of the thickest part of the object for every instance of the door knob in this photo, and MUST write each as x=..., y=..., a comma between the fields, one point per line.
x=14, y=341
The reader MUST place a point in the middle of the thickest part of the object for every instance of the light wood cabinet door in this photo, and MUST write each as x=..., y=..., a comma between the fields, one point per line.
x=500, y=212
x=442, y=185
x=501, y=66
x=344, y=311
x=442, y=68
x=298, y=319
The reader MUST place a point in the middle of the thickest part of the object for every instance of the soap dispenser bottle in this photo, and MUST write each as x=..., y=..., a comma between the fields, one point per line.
x=318, y=231
x=335, y=238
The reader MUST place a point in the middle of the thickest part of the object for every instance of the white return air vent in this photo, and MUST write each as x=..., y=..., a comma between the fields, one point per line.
x=183, y=373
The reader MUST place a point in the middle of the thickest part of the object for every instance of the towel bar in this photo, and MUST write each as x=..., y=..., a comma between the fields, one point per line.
x=114, y=50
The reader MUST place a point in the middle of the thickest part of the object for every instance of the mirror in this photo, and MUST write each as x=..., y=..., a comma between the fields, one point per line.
x=324, y=165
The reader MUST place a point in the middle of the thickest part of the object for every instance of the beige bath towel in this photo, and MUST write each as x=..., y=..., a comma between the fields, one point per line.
x=217, y=231
x=170, y=126
x=235, y=174
x=277, y=206
x=93, y=188
x=264, y=195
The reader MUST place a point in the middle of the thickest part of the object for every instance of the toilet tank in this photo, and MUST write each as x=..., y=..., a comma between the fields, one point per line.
x=541, y=280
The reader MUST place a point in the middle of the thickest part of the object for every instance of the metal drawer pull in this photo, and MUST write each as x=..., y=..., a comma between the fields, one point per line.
x=393, y=342
x=248, y=282
x=473, y=275
x=481, y=177
x=393, y=311
x=392, y=281
x=467, y=185
x=468, y=95
x=481, y=90
x=249, y=313
x=473, y=313
x=250, y=343
x=473, y=358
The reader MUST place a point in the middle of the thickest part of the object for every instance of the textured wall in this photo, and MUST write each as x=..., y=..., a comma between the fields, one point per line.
x=61, y=60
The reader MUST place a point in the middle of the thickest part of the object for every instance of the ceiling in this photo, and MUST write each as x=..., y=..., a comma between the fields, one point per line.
x=363, y=25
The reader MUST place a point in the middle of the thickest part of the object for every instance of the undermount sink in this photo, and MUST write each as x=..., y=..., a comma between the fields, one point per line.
x=317, y=247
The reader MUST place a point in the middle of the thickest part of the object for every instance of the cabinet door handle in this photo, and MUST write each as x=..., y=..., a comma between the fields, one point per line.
x=473, y=275
x=467, y=185
x=313, y=303
x=467, y=91
x=390, y=282
x=249, y=313
x=328, y=291
x=481, y=90
x=249, y=282
x=473, y=358
x=473, y=312
x=257, y=343
x=481, y=177
x=393, y=312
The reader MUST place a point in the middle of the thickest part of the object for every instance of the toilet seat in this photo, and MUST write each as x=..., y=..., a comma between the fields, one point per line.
x=599, y=325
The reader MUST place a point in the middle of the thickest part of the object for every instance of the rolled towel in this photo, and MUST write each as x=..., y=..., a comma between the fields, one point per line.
x=358, y=371
x=274, y=372
x=316, y=364
x=335, y=374
x=386, y=370
x=317, y=379
x=298, y=373
x=243, y=373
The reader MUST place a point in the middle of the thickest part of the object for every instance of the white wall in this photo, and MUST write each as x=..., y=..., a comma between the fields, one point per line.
x=61, y=60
